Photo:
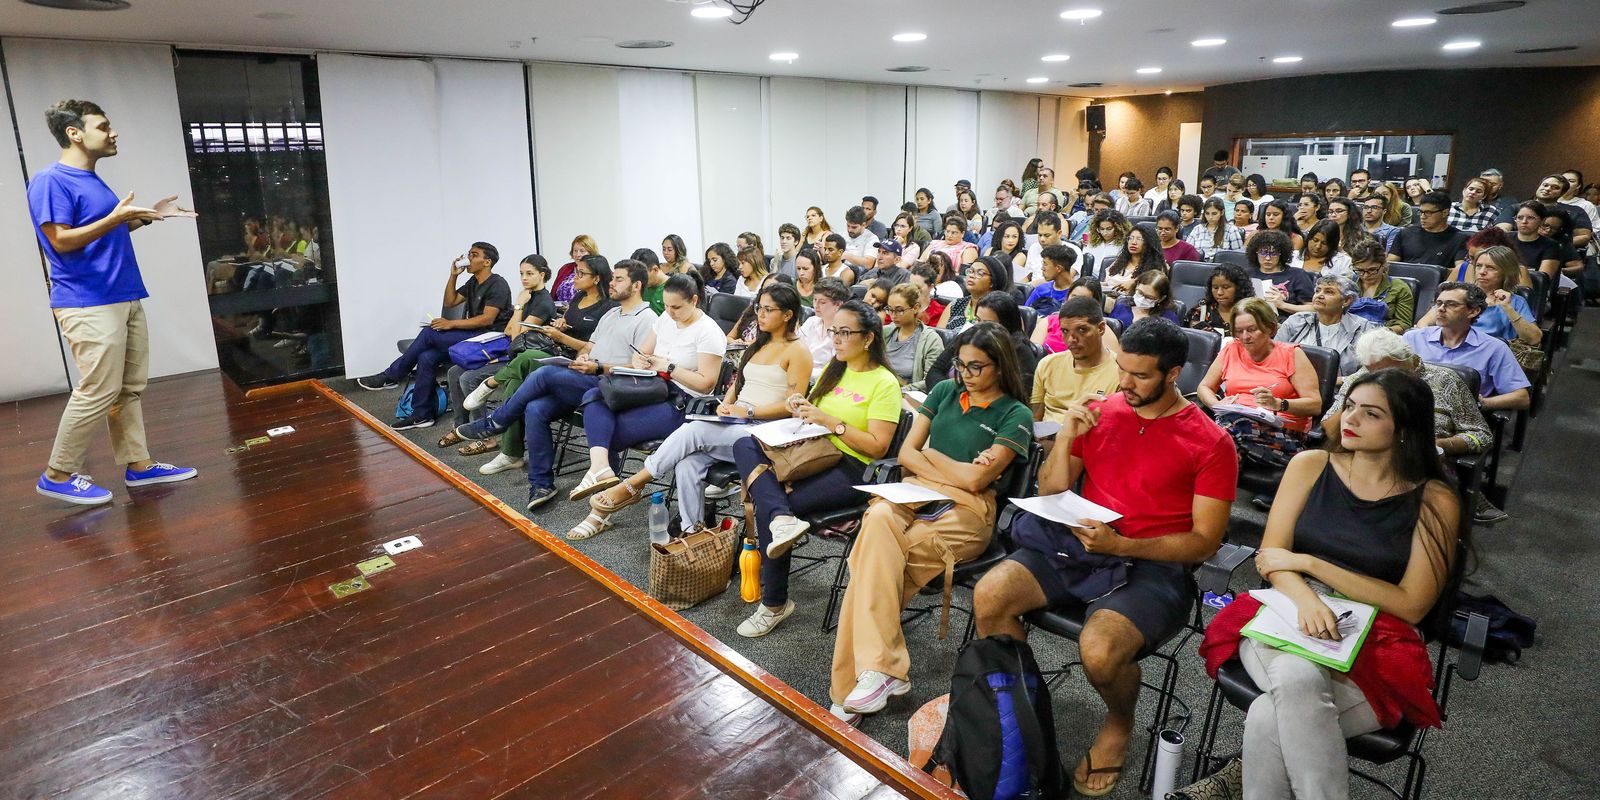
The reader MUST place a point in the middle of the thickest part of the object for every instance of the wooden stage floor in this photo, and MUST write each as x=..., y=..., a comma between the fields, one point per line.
x=183, y=642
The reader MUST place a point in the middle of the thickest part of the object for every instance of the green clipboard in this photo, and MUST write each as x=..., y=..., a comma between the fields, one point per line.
x=1310, y=655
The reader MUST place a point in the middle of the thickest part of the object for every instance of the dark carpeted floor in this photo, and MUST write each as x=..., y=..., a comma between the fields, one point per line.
x=1522, y=731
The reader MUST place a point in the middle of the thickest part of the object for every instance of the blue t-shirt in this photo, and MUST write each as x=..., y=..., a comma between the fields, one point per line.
x=1046, y=299
x=102, y=272
x=1495, y=322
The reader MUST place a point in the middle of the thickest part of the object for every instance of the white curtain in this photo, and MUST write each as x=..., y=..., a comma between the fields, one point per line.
x=1008, y=136
x=136, y=86
x=577, y=135
x=658, y=191
x=424, y=158
x=30, y=365
x=734, y=167
x=946, y=146
x=832, y=143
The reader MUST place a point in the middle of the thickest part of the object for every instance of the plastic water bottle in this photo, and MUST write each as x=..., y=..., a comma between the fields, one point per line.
x=749, y=571
x=658, y=517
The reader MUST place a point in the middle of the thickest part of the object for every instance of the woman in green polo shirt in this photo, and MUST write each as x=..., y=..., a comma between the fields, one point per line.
x=966, y=436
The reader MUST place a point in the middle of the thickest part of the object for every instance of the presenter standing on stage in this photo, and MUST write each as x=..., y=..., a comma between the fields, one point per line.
x=95, y=292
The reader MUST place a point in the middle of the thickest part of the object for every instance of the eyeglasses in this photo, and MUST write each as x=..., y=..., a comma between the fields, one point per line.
x=585, y=273
x=898, y=309
x=1421, y=210
x=971, y=369
x=977, y=273
x=1371, y=207
x=836, y=332
x=1270, y=252
x=767, y=309
x=1449, y=305
x=1368, y=270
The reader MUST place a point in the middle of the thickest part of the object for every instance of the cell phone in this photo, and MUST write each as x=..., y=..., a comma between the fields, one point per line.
x=935, y=510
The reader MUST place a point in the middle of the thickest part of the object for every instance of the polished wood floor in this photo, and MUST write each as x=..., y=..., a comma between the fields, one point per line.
x=183, y=642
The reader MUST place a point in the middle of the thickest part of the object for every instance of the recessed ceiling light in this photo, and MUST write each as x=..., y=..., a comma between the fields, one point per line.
x=907, y=69
x=1148, y=70
x=1287, y=60
x=1536, y=50
x=909, y=37
x=1054, y=57
x=644, y=44
x=1413, y=22
x=1465, y=44
x=1086, y=85
x=784, y=56
x=1038, y=80
x=81, y=5
x=1485, y=8
x=711, y=12
x=1081, y=13
x=1209, y=42
x=1168, y=92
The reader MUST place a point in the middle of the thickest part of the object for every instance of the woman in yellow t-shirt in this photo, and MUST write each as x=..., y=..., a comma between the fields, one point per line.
x=857, y=398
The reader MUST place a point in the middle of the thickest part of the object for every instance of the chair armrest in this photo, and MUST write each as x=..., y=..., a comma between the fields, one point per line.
x=1315, y=437
x=1216, y=572
x=882, y=470
x=704, y=404
x=1471, y=659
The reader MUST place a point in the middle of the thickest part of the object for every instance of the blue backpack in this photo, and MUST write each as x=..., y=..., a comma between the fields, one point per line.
x=999, y=738
x=402, y=407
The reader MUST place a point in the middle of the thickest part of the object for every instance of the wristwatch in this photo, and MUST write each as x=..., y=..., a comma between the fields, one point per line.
x=1283, y=405
x=838, y=430
x=670, y=367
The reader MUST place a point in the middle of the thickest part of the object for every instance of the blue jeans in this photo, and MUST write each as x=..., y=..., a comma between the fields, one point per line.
x=427, y=352
x=545, y=398
x=618, y=431
x=825, y=491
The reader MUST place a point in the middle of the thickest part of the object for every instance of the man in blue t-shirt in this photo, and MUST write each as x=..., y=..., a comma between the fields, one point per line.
x=95, y=291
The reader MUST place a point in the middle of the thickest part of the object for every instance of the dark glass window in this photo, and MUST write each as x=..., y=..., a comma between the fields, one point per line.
x=253, y=124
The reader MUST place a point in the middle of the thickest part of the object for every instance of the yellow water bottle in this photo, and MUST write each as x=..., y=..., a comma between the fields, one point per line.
x=750, y=571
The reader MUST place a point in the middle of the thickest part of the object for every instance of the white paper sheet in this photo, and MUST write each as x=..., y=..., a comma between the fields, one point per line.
x=786, y=431
x=905, y=494
x=1045, y=428
x=488, y=337
x=1067, y=508
x=1253, y=412
x=1284, y=622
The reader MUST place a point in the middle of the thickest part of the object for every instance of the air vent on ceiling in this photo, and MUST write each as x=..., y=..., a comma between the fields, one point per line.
x=644, y=44
x=1086, y=85
x=1536, y=50
x=81, y=5
x=908, y=69
x=1485, y=8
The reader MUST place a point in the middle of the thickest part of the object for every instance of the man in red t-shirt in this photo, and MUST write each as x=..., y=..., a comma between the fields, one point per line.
x=1159, y=461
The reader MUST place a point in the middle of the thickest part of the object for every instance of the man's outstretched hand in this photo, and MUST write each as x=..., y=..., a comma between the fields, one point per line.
x=169, y=208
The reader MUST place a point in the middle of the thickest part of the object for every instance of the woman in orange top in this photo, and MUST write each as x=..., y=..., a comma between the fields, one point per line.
x=1255, y=370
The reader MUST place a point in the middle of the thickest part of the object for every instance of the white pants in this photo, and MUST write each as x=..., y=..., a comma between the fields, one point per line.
x=1294, y=733
x=690, y=451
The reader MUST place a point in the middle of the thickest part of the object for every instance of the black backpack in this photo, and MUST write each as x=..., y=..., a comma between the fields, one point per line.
x=1509, y=632
x=999, y=740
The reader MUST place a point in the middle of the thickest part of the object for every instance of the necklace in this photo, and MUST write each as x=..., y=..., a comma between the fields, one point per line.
x=1145, y=423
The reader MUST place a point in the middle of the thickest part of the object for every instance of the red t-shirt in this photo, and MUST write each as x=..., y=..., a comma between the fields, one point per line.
x=1182, y=251
x=1153, y=478
x=934, y=312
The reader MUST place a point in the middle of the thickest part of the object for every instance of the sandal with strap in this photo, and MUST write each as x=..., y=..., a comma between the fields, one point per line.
x=592, y=483
x=478, y=447
x=603, y=503
x=590, y=526
x=449, y=438
x=1090, y=770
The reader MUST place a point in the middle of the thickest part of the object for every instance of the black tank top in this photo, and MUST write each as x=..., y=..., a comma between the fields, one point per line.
x=1371, y=537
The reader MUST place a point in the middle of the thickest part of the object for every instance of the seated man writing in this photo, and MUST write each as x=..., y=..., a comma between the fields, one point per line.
x=1157, y=459
x=487, y=297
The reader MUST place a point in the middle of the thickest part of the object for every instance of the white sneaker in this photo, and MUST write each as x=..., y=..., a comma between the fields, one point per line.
x=719, y=492
x=785, y=531
x=500, y=463
x=872, y=692
x=764, y=620
x=849, y=718
x=477, y=397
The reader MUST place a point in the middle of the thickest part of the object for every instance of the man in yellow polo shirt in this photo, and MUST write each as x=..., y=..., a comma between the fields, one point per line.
x=1083, y=369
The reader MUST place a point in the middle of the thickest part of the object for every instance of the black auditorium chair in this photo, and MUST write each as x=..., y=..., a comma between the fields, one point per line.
x=1189, y=282
x=1203, y=349
x=1480, y=472
x=1427, y=277
x=1234, y=257
x=1404, y=741
x=1030, y=319
x=725, y=308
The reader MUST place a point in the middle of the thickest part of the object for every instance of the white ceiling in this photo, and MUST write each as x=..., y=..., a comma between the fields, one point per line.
x=991, y=44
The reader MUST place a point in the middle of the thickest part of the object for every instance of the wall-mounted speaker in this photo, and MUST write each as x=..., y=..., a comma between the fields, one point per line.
x=1095, y=118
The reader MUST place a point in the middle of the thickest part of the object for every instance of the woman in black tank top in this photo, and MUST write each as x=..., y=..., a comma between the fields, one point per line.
x=1373, y=521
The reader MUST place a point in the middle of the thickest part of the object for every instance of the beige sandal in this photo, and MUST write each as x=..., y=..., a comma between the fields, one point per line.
x=590, y=526
x=603, y=503
x=479, y=447
x=592, y=483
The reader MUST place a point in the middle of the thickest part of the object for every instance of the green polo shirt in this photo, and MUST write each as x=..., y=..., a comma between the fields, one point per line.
x=963, y=432
x=656, y=297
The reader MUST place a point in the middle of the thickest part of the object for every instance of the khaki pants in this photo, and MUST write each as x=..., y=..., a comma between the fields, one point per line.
x=111, y=346
x=895, y=555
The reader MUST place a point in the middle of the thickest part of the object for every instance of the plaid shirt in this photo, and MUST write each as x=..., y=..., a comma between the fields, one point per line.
x=1471, y=223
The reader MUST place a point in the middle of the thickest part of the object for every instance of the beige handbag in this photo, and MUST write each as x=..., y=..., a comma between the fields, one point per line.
x=807, y=457
x=693, y=567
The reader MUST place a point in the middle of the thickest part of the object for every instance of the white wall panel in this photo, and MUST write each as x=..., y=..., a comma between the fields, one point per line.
x=1045, y=146
x=136, y=86
x=30, y=363
x=1072, y=139
x=577, y=135
x=659, y=182
x=883, y=139
x=441, y=172
x=1008, y=136
x=832, y=143
x=946, y=148
x=798, y=181
x=734, y=170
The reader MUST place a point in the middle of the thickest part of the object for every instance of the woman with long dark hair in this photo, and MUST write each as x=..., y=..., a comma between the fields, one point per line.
x=988, y=274
x=817, y=228
x=719, y=270
x=1227, y=285
x=926, y=214
x=857, y=399
x=1215, y=231
x=675, y=255
x=1374, y=522
x=774, y=367
x=1321, y=253
x=1174, y=193
x=1141, y=253
x=967, y=437
x=1278, y=216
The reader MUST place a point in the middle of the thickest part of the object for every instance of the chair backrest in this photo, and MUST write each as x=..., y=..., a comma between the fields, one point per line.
x=1086, y=264
x=1469, y=374
x=806, y=312
x=1030, y=319
x=726, y=308
x=945, y=334
x=1203, y=349
x=1115, y=325
x=1020, y=294
x=1190, y=280
x=1234, y=257
x=902, y=429
x=859, y=291
x=1411, y=283
x=1326, y=363
x=1181, y=308
x=1141, y=220
x=1022, y=480
x=1541, y=293
x=1427, y=277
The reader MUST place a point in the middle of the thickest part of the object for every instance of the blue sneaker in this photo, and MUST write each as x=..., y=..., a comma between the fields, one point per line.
x=159, y=473
x=479, y=429
x=76, y=489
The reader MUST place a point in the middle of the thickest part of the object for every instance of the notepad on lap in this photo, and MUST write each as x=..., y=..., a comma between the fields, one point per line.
x=1067, y=508
x=716, y=418
x=1254, y=412
x=1277, y=625
x=905, y=494
x=555, y=361
x=786, y=431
